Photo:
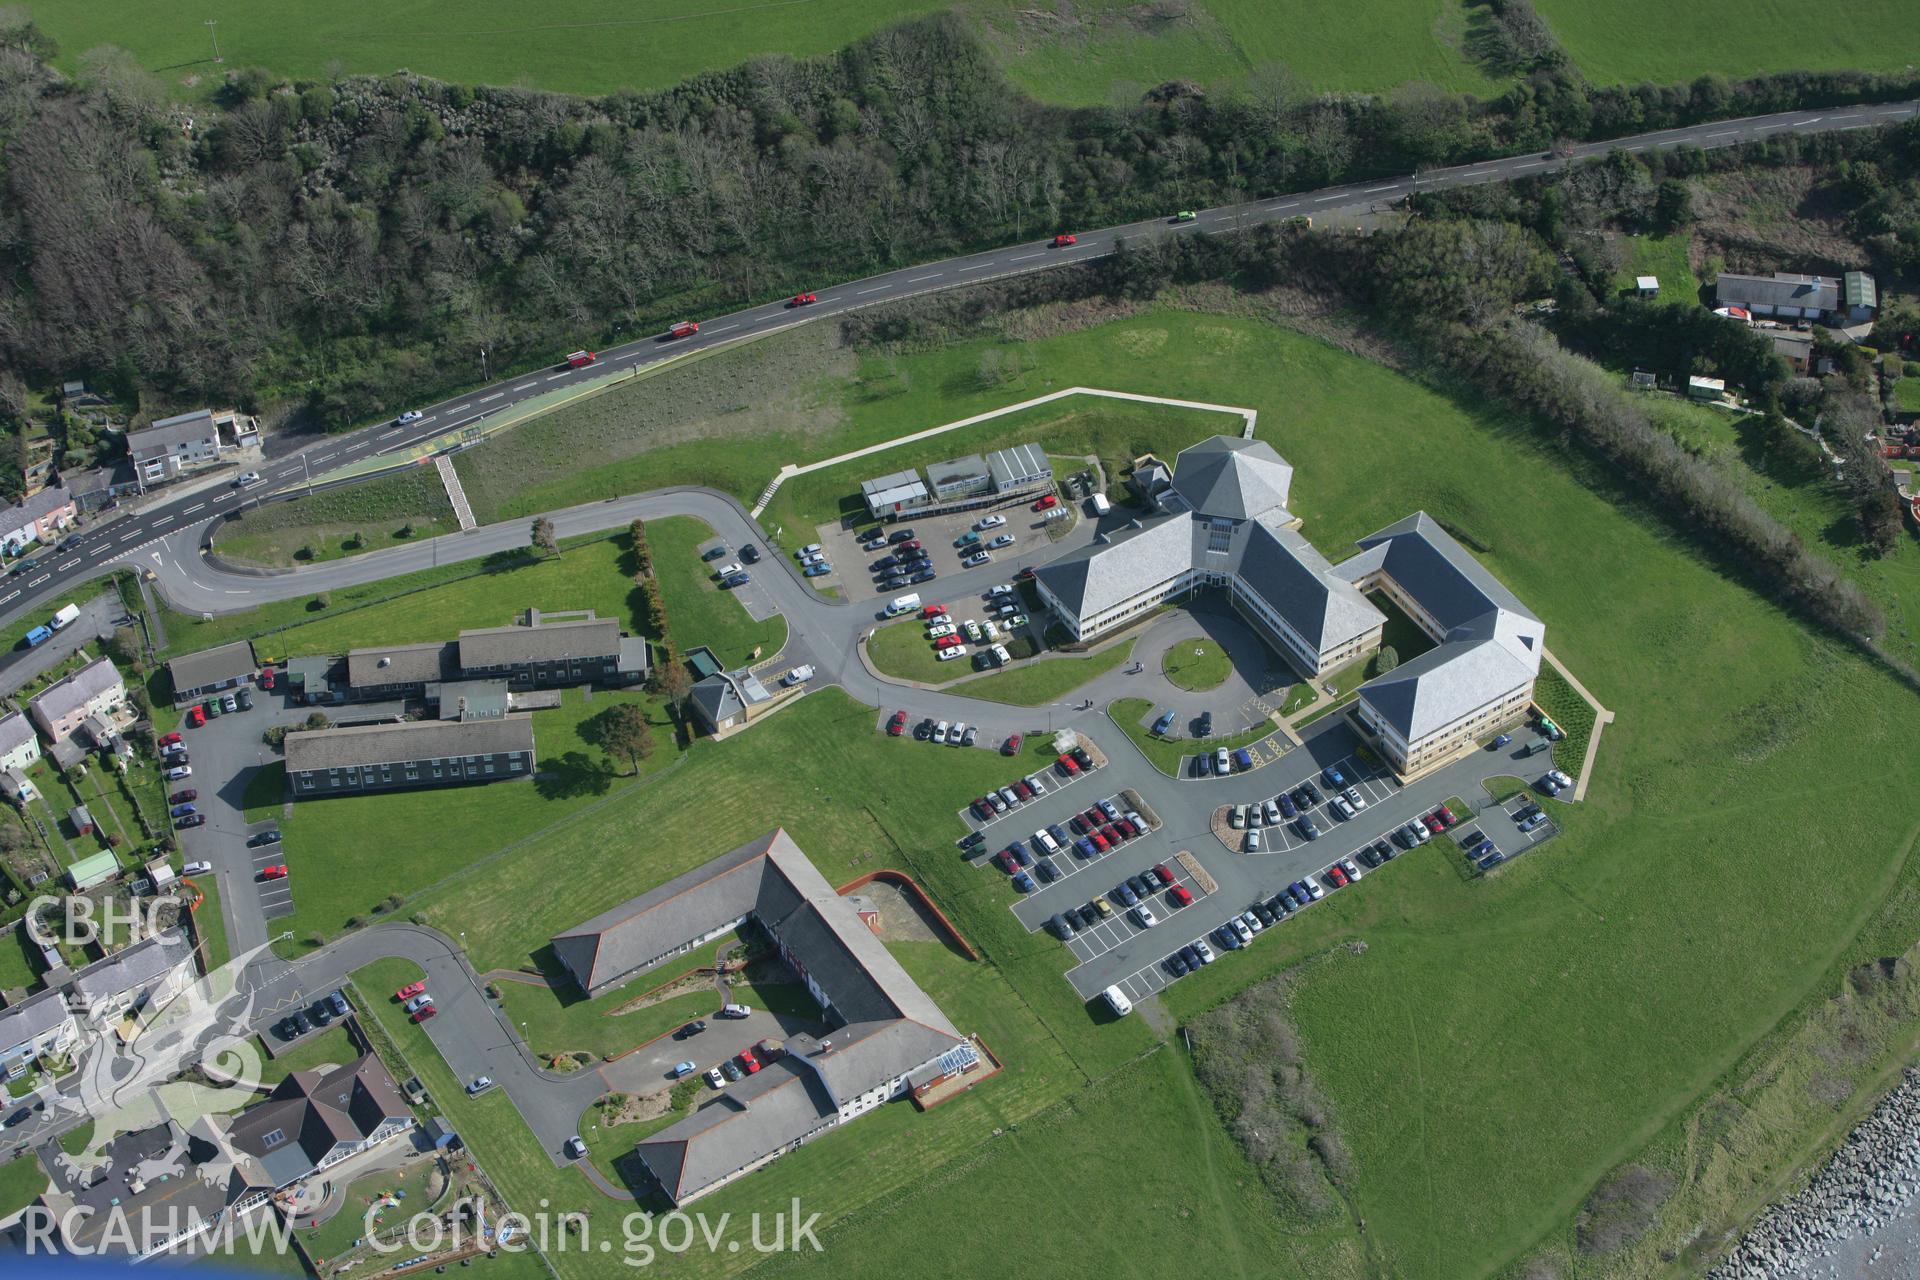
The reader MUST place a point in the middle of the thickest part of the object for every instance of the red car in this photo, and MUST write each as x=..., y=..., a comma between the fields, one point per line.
x=1180, y=896
x=1066, y=241
x=1441, y=818
x=934, y=611
x=1100, y=841
x=1112, y=833
x=409, y=991
x=749, y=1063
x=803, y=300
x=897, y=725
x=683, y=328
x=1067, y=765
x=424, y=1012
x=196, y=717
x=1337, y=876
x=1005, y=859
x=266, y=679
x=1046, y=501
x=182, y=797
x=911, y=544
x=947, y=642
x=982, y=810
x=1025, y=573
x=1095, y=818
x=169, y=739
x=1022, y=790
x=1011, y=747
x=273, y=873
x=1164, y=872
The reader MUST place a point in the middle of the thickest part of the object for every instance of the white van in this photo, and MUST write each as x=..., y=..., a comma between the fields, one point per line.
x=1117, y=1001
x=1101, y=505
x=67, y=614
x=904, y=604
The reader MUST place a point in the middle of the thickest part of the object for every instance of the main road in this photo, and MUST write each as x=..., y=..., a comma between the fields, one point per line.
x=98, y=547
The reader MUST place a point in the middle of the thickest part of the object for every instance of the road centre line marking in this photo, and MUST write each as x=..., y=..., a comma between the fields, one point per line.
x=495, y=396
x=723, y=328
x=1275, y=208
x=918, y=279
x=552, y=376
x=1478, y=173
x=1724, y=133
x=195, y=507
x=977, y=266
x=1391, y=186
x=1324, y=199
x=525, y=386
x=1023, y=257
x=863, y=292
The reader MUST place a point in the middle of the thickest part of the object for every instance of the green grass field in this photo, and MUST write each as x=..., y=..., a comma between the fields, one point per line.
x=1665, y=258
x=902, y=650
x=329, y=1048
x=698, y=611
x=21, y=1182
x=341, y=849
x=1632, y=40
x=342, y=522
x=1196, y=665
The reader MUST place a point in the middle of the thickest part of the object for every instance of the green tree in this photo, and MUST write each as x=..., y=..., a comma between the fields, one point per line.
x=1387, y=660
x=623, y=731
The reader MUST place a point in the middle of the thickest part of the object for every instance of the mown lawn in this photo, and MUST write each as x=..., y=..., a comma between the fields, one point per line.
x=902, y=650
x=698, y=611
x=1196, y=665
x=1029, y=684
x=207, y=919
x=329, y=1048
x=1665, y=258
x=348, y=853
x=339, y=1233
x=21, y=1182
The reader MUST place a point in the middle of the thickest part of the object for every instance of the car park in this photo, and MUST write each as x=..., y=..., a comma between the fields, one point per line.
x=730, y=1070
x=1009, y=795
x=262, y=838
x=1004, y=540
x=182, y=810
x=1253, y=842
x=1163, y=723
x=191, y=820
x=1368, y=857
x=934, y=611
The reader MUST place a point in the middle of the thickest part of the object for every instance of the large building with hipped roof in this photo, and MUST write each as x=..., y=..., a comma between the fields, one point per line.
x=1222, y=522
x=883, y=1030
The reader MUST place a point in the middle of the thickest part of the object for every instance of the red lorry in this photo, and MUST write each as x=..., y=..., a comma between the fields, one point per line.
x=580, y=358
x=683, y=329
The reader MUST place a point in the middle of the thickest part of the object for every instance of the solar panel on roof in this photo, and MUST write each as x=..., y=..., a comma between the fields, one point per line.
x=958, y=1059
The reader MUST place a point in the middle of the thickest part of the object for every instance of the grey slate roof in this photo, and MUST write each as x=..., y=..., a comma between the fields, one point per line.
x=213, y=666
x=1095, y=578
x=15, y=732
x=1782, y=289
x=770, y=1109
x=310, y=749
x=314, y=1112
x=400, y=664
x=78, y=689
x=36, y=505
x=164, y=435
x=1289, y=573
x=549, y=642
x=143, y=964
x=1232, y=478
x=1491, y=642
x=31, y=1018
x=728, y=693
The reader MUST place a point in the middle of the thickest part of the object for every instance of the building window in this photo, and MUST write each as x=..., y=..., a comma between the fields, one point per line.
x=272, y=1138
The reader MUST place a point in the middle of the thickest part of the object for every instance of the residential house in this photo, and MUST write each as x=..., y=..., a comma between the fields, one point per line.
x=883, y=1029
x=196, y=675
x=39, y=517
x=315, y=1119
x=552, y=650
x=38, y=1028
x=94, y=690
x=19, y=744
x=174, y=447
x=148, y=974
x=418, y=753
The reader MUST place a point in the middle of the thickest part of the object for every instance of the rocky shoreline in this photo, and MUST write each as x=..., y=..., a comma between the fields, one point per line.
x=1857, y=1216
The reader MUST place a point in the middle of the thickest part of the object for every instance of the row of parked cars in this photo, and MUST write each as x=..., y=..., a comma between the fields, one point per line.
x=986, y=808
x=1093, y=833
x=1221, y=762
x=906, y=560
x=322, y=1012
x=745, y=1063
x=1134, y=894
x=735, y=573
x=227, y=704
x=1238, y=931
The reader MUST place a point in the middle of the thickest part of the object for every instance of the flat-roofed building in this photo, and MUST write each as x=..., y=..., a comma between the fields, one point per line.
x=898, y=494
x=419, y=753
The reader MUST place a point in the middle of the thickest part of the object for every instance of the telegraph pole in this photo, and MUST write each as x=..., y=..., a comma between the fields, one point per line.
x=211, y=24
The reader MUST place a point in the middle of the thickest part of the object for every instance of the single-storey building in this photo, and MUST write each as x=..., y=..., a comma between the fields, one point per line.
x=1019, y=470
x=1794, y=347
x=1647, y=286
x=882, y=1027
x=227, y=666
x=93, y=870
x=966, y=477
x=542, y=651
x=61, y=708
x=1848, y=299
x=417, y=753
x=1699, y=388
x=900, y=493
x=727, y=700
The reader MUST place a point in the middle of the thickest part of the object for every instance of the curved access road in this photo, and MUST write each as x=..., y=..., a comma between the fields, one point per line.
x=136, y=537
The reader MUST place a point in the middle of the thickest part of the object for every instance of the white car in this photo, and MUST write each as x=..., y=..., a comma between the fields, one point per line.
x=1002, y=590
x=197, y=869
x=735, y=1011
x=1253, y=842
x=1047, y=841
x=1272, y=812
x=1421, y=833
x=1354, y=797
x=1004, y=540
x=940, y=732
x=1144, y=917
x=955, y=734
x=811, y=549
x=799, y=675
x=418, y=1002
x=1240, y=927
x=480, y=1084
x=730, y=568
x=1222, y=762
x=715, y=1079
x=1252, y=921
x=949, y=654
x=941, y=629
x=179, y=771
x=1342, y=807
x=246, y=478
x=977, y=559
x=973, y=630
x=1315, y=889
x=1040, y=788
x=989, y=522
x=1559, y=779
x=411, y=415
x=1204, y=951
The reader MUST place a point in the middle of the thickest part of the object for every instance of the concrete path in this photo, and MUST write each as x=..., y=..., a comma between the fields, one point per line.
x=1601, y=719
x=462, y=509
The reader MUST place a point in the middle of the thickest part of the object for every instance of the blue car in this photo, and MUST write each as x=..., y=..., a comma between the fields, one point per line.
x=820, y=570
x=1243, y=759
x=740, y=579
x=182, y=810
x=1164, y=723
x=1307, y=829
x=1084, y=847
x=1504, y=740
x=1203, y=765
x=1334, y=777
x=1023, y=882
x=1126, y=895
x=1288, y=809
